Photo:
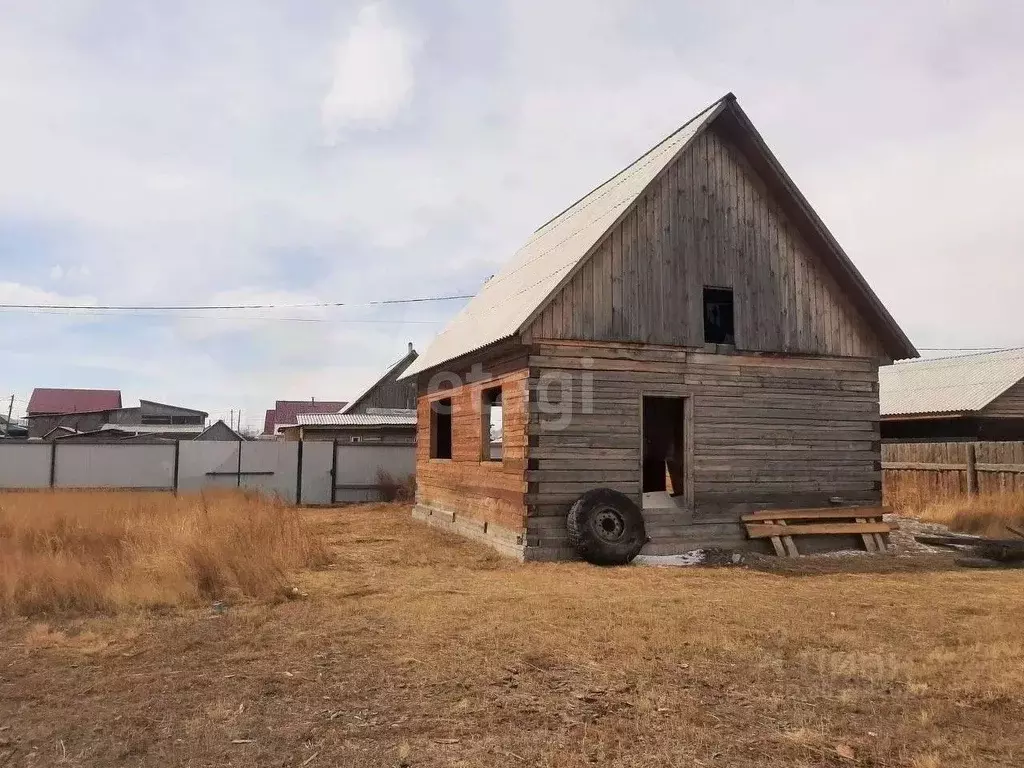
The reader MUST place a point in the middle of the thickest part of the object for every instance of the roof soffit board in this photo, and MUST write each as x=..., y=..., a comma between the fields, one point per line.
x=511, y=299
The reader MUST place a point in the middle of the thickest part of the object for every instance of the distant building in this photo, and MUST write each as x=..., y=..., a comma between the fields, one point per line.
x=80, y=410
x=968, y=397
x=377, y=425
x=74, y=413
x=284, y=412
x=384, y=413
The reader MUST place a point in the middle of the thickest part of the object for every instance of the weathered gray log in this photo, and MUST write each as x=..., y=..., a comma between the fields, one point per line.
x=998, y=550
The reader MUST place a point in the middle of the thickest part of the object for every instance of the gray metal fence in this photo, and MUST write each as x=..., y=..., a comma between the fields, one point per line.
x=298, y=472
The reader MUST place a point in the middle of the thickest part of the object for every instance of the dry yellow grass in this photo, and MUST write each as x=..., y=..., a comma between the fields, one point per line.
x=86, y=552
x=987, y=515
x=422, y=649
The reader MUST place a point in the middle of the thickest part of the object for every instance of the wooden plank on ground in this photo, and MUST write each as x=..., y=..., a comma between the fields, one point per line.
x=825, y=513
x=763, y=531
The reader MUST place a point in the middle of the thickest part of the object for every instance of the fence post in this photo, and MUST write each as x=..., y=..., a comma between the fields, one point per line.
x=298, y=475
x=972, y=470
x=177, y=459
x=334, y=471
x=238, y=477
x=53, y=462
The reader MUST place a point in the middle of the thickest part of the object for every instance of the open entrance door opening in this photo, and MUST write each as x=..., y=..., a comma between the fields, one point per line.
x=664, y=446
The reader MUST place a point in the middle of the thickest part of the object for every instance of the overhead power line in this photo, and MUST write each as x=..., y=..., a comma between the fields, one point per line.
x=210, y=307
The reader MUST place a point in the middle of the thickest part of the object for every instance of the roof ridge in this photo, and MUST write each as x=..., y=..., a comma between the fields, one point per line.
x=944, y=358
x=728, y=97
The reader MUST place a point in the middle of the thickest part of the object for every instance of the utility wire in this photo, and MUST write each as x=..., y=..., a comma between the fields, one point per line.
x=88, y=312
x=205, y=307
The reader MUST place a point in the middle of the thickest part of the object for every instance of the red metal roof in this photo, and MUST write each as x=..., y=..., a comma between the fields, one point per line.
x=286, y=411
x=45, y=400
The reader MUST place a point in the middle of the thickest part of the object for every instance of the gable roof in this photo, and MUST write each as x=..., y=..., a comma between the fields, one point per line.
x=961, y=384
x=508, y=301
x=60, y=401
x=398, y=367
x=219, y=424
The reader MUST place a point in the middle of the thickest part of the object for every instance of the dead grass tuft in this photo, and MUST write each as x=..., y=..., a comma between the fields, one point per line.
x=986, y=515
x=80, y=552
x=395, y=490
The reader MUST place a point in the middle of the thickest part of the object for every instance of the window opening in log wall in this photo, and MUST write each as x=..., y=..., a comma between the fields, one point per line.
x=441, y=428
x=718, y=316
x=491, y=425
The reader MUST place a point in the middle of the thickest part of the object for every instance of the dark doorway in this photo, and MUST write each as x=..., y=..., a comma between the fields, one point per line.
x=664, y=445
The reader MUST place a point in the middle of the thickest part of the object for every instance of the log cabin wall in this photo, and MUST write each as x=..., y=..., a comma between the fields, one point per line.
x=764, y=431
x=468, y=494
x=709, y=220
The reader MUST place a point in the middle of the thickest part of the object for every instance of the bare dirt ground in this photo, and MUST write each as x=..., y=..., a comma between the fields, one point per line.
x=419, y=649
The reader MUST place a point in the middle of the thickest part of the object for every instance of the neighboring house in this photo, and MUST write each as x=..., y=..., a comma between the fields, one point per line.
x=388, y=391
x=385, y=412
x=284, y=412
x=969, y=397
x=375, y=425
x=78, y=413
x=219, y=431
x=148, y=433
x=77, y=409
x=150, y=413
x=688, y=334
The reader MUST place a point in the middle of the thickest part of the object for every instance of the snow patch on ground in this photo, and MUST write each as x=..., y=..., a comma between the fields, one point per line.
x=693, y=557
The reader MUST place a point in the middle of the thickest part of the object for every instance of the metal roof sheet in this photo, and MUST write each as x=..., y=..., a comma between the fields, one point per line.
x=392, y=418
x=508, y=299
x=60, y=401
x=948, y=384
x=154, y=429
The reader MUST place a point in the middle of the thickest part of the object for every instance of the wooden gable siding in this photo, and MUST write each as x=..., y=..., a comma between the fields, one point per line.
x=766, y=431
x=1010, y=404
x=708, y=221
x=388, y=393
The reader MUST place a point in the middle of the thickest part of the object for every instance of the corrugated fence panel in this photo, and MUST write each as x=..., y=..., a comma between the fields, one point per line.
x=199, y=458
x=271, y=467
x=359, y=463
x=114, y=466
x=24, y=465
x=316, y=472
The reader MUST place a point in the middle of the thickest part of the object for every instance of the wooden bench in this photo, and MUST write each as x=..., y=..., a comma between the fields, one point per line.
x=781, y=525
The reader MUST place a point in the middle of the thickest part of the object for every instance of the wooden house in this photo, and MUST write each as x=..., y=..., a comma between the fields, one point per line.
x=688, y=334
x=962, y=398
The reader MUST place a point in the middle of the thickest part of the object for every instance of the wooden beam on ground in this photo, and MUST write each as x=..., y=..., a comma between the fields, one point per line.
x=826, y=513
x=763, y=531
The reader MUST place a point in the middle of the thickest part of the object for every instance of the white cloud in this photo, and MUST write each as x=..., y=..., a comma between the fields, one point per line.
x=56, y=272
x=373, y=75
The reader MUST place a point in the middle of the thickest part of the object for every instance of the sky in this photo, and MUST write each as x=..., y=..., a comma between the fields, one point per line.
x=245, y=152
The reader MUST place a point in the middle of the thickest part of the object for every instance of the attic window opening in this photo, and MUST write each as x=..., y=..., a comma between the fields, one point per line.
x=718, y=316
x=441, y=428
x=492, y=425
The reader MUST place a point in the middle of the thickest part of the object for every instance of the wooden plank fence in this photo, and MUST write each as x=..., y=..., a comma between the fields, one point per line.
x=932, y=471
